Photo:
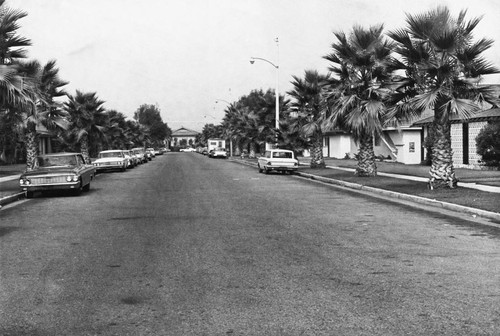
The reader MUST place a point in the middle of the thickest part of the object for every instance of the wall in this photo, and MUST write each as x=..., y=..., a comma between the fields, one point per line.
x=340, y=144
x=411, y=150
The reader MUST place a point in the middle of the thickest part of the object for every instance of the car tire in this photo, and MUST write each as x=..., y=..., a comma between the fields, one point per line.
x=78, y=191
x=266, y=171
x=87, y=187
x=260, y=169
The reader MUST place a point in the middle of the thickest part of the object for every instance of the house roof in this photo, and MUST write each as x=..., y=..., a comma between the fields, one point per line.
x=485, y=115
x=184, y=132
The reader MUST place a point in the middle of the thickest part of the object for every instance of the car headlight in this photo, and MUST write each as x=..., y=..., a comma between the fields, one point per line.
x=24, y=181
x=71, y=178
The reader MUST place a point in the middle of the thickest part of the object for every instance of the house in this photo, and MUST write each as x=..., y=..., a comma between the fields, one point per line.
x=401, y=144
x=45, y=139
x=184, y=137
x=463, y=134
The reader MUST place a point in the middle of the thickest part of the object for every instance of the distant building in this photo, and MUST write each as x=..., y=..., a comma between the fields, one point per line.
x=184, y=137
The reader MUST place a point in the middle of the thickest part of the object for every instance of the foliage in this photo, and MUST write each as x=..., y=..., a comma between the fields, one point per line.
x=360, y=63
x=309, y=104
x=488, y=144
x=209, y=131
x=87, y=123
x=150, y=117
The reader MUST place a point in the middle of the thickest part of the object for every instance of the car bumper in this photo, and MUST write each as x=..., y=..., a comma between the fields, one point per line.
x=281, y=168
x=109, y=167
x=55, y=186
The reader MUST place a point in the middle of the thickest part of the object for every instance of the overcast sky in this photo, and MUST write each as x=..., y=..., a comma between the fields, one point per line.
x=183, y=55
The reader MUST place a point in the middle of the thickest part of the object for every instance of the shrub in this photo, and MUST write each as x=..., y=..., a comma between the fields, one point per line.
x=488, y=144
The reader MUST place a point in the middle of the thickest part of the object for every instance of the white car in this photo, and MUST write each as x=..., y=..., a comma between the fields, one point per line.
x=111, y=160
x=281, y=160
x=218, y=153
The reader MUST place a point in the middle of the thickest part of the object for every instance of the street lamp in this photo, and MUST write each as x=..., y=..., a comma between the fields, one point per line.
x=230, y=139
x=252, y=61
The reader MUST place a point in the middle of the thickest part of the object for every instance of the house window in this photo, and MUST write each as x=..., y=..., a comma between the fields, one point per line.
x=376, y=140
x=412, y=147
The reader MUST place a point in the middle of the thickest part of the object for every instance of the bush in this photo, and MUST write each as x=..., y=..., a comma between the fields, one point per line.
x=488, y=144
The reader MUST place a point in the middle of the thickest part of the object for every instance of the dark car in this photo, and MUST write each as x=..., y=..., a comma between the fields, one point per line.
x=59, y=171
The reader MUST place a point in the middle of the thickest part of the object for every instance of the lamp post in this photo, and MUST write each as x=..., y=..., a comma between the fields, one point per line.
x=230, y=139
x=276, y=66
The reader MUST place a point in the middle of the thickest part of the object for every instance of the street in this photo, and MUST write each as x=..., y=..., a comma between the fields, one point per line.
x=188, y=245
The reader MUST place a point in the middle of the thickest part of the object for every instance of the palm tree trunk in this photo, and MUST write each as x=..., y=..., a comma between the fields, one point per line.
x=252, y=150
x=84, y=148
x=237, y=149
x=442, y=171
x=317, y=159
x=366, y=158
x=31, y=142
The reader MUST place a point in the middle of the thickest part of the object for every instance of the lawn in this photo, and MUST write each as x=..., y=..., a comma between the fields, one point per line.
x=463, y=196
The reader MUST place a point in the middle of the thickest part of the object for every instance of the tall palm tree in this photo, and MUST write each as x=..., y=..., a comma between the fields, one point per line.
x=441, y=67
x=309, y=102
x=87, y=121
x=15, y=91
x=356, y=101
x=47, y=86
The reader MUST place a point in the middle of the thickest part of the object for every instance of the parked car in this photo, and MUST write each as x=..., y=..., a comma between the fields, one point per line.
x=188, y=149
x=132, y=159
x=140, y=153
x=281, y=160
x=150, y=152
x=58, y=171
x=218, y=152
x=111, y=160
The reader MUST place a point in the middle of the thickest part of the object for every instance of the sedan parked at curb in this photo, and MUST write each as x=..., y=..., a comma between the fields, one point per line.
x=132, y=159
x=59, y=171
x=141, y=154
x=111, y=160
x=218, y=153
x=281, y=160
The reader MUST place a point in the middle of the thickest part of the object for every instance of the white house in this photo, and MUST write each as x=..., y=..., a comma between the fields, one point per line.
x=402, y=144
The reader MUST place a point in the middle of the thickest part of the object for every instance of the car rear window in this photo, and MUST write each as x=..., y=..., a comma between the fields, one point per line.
x=283, y=155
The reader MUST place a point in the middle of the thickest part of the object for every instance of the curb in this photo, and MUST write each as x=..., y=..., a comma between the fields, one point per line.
x=11, y=198
x=393, y=194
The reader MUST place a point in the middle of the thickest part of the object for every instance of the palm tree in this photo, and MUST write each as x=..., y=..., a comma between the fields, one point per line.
x=308, y=94
x=15, y=91
x=87, y=121
x=442, y=67
x=46, y=111
x=356, y=101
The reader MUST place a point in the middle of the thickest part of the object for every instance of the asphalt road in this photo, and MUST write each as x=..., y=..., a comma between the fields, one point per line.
x=187, y=245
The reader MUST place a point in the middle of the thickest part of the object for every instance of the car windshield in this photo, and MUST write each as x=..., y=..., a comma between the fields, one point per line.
x=283, y=155
x=110, y=155
x=55, y=161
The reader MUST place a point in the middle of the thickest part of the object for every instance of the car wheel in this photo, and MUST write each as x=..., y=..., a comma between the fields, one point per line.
x=78, y=191
x=29, y=194
x=260, y=169
x=266, y=171
x=87, y=187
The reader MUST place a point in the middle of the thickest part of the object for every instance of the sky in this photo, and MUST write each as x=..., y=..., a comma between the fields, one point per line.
x=185, y=55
